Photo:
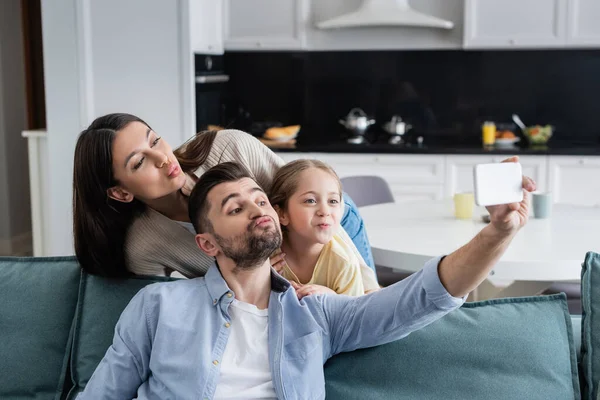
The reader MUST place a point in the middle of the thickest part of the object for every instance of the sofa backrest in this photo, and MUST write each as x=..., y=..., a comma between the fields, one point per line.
x=37, y=305
x=101, y=302
x=46, y=299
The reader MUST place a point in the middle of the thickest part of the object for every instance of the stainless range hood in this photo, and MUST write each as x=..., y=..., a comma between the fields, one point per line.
x=385, y=13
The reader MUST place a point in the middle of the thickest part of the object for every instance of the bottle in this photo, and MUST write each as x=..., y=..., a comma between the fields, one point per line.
x=488, y=130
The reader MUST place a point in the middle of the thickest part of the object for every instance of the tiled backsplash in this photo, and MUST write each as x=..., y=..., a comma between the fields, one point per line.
x=444, y=94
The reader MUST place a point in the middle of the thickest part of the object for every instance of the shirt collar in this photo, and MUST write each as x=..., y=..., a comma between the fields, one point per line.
x=217, y=287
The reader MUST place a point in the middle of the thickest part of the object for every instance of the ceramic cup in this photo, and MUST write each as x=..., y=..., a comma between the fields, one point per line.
x=542, y=204
x=464, y=203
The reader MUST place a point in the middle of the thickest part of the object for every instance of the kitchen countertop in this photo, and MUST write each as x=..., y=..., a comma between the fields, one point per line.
x=574, y=149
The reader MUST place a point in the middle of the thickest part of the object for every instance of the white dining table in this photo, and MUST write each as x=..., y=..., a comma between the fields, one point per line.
x=404, y=236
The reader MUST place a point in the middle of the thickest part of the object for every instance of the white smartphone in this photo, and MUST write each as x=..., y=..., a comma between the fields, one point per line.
x=498, y=183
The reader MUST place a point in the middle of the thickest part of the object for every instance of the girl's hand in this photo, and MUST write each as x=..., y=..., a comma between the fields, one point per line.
x=307, y=290
x=278, y=262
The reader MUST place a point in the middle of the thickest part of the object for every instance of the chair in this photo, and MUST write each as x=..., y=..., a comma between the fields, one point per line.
x=366, y=191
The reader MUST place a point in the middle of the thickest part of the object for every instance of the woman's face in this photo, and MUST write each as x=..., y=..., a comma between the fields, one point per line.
x=144, y=165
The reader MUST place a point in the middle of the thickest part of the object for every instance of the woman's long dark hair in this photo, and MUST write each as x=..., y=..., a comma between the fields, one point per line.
x=100, y=223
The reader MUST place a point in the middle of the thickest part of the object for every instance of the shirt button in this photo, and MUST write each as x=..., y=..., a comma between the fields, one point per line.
x=227, y=324
x=215, y=301
x=216, y=362
x=229, y=294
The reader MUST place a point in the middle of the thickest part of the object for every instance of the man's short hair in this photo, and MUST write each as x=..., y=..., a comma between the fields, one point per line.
x=198, y=203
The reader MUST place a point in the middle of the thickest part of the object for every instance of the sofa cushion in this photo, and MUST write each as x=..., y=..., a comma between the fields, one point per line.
x=101, y=302
x=590, y=341
x=518, y=348
x=38, y=297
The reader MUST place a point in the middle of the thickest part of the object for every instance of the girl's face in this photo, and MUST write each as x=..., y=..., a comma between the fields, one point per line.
x=144, y=165
x=314, y=211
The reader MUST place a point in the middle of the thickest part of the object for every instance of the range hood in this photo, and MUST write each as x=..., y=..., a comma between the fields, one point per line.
x=385, y=13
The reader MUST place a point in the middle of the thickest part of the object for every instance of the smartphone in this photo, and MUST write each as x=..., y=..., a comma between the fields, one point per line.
x=498, y=183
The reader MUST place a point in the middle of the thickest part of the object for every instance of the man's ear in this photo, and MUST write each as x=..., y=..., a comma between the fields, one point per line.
x=119, y=194
x=207, y=244
x=283, y=218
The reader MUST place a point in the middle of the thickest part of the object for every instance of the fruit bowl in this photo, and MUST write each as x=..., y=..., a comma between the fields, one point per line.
x=538, y=134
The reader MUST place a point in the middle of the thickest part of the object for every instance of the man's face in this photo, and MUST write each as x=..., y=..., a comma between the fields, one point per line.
x=245, y=227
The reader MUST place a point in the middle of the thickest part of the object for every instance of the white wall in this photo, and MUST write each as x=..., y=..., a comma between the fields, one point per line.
x=110, y=56
x=15, y=216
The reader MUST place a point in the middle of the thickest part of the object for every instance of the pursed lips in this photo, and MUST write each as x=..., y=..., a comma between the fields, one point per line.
x=173, y=170
x=262, y=221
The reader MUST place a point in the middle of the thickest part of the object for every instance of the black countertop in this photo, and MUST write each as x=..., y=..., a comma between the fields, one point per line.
x=558, y=148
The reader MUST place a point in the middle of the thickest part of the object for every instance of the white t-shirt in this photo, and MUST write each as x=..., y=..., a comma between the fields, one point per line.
x=245, y=370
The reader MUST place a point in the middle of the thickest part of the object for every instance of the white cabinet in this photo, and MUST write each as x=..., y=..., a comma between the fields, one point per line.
x=459, y=171
x=264, y=24
x=571, y=179
x=575, y=180
x=411, y=177
x=206, y=30
x=516, y=23
x=582, y=24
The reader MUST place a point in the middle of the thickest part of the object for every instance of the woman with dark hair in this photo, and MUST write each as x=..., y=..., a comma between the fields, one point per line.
x=130, y=196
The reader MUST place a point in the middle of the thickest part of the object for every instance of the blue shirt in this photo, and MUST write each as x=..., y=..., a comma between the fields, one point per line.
x=169, y=341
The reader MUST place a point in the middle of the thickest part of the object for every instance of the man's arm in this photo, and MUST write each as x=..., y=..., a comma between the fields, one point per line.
x=125, y=366
x=463, y=270
x=387, y=314
x=429, y=294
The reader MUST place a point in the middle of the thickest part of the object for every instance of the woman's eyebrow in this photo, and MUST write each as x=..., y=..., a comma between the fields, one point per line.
x=133, y=153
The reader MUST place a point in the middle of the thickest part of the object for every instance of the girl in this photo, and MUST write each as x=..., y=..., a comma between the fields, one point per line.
x=320, y=258
x=130, y=196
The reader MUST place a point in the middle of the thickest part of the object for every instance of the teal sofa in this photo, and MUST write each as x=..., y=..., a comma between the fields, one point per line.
x=56, y=323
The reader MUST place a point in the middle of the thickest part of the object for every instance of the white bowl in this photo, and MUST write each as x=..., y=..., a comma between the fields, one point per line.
x=506, y=142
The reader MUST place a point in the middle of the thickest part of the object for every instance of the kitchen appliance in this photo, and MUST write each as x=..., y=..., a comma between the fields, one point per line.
x=396, y=127
x=211, y=84
x=385, y=13
x=357, y=123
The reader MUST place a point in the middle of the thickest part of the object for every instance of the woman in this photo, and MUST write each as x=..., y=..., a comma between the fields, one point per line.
x=130, y=196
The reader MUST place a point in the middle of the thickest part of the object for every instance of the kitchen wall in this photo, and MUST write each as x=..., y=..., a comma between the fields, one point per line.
x=15, y=213
x=445, y=94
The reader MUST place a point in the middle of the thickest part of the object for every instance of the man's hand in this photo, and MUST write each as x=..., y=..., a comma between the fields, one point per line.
x=307, y=290
x=463, y=270
x=509, y=218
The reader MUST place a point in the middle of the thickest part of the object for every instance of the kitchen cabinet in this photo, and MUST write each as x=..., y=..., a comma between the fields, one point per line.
x=571, y=179
x=518, y=23
x=264, y=24
x=574, y=180
x=206, y=30
x=459, y=170
x=582, y=23
x=411, y=177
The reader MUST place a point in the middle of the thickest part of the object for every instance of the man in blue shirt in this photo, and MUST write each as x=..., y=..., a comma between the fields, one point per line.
x=241, y=331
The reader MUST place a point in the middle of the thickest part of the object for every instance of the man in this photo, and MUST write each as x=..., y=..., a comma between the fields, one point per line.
x=241, y=332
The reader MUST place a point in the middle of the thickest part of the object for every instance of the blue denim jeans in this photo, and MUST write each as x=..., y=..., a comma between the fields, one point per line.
x=353, y=223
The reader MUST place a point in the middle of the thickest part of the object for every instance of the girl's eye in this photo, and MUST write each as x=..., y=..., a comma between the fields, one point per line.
x=139, y=163
x=310, y=201
x=156, y=141
x=262, y=203
x=334, y=201
x=235, y=211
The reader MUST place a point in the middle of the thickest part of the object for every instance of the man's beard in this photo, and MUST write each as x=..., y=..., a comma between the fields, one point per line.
x=250, y=249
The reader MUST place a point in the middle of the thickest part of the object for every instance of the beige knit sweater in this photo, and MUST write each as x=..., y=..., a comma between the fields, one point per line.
x=157, y=245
